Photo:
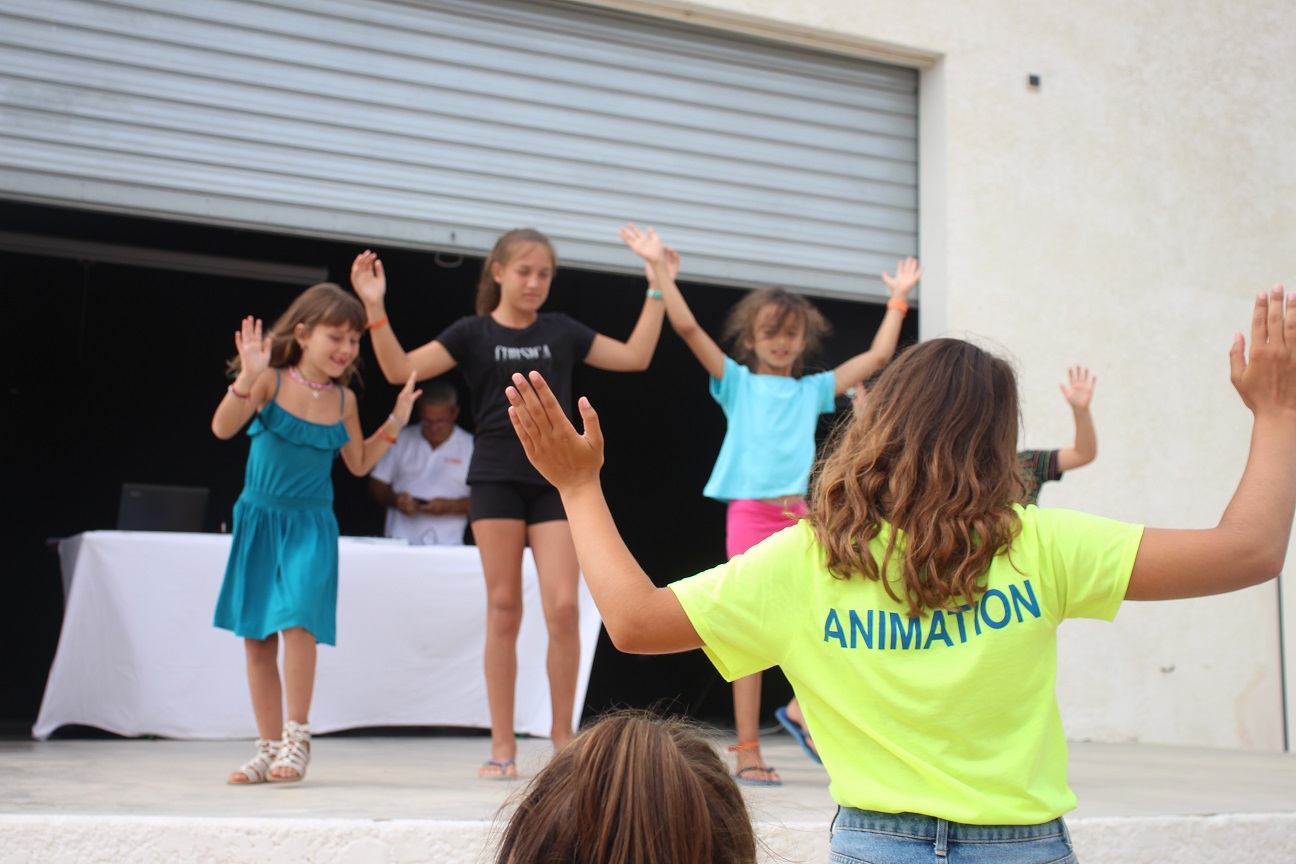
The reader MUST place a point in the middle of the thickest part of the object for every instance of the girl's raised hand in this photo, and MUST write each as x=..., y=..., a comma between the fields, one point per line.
x=253, y=348
x=646, y=244
x=906, y=277
x=1078, y=390
x=405, y=400
x=563, y=456
x=368, y=278
x=672, y=265
x=1266, y=380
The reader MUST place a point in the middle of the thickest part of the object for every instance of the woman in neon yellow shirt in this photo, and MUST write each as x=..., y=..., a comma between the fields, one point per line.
x=915, y=609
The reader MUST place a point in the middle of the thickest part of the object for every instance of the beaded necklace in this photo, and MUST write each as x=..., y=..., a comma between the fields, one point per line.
x=316, y=389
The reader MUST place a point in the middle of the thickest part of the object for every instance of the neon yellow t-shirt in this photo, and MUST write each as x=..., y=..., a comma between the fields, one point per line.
x=951, y=715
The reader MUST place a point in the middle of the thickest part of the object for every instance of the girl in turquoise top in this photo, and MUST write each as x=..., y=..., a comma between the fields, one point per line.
x=282, y=570
x=772, y=409
x=915, y=609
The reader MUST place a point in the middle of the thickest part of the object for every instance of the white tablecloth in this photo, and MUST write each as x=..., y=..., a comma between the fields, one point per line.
x=138, y=654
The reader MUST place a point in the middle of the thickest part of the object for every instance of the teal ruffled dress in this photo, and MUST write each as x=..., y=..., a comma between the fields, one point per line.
x=283, y=564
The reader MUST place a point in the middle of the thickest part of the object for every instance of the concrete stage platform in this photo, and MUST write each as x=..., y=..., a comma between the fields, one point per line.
x=412, y=799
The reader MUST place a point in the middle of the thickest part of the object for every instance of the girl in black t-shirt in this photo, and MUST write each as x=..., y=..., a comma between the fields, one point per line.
x=511, y=506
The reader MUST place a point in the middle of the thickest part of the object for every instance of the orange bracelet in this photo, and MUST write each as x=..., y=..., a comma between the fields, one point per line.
x=236, y=394
x=382, y=433
x=895, y=303
x=374, y=325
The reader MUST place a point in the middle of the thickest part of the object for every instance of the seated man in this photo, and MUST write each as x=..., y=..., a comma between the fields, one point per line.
x=423, y=479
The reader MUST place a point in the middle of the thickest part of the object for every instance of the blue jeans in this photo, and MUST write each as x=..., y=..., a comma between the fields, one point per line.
x=869, y=837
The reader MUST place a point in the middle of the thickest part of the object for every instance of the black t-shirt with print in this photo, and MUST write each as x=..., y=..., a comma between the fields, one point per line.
x=489, y=354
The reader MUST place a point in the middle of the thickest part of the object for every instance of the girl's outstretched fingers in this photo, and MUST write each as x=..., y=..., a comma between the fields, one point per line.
x=564, y=457
x=1277, y=324
x=646, y=244
x=253, y=347
x=367, y=277
x=590, y=420
x=405, y=401
x=1260, y=322
x=1266, y=377
x=1289, y=322
x=1237, y=361
x=523, y=423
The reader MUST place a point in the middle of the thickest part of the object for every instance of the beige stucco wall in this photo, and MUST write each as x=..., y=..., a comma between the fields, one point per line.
x=1121, y=215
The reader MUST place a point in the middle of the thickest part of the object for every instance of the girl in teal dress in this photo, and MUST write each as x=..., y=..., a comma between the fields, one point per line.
x=283, y=566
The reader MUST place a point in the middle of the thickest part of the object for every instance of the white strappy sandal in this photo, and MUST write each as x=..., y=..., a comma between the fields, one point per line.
x=294, y=754
x=256, y=769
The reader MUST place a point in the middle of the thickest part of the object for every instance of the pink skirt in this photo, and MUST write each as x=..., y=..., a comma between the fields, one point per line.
x=749, y=522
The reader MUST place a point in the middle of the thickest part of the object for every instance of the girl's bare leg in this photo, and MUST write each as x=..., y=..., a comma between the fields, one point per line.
x=747, y=697
x=266, y=692
x=559, y=573
x=263, y=682
x=299, y=672
x=299, y=684
x=500, y=543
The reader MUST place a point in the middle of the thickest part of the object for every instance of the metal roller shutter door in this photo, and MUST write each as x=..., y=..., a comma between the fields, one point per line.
x=441, y=124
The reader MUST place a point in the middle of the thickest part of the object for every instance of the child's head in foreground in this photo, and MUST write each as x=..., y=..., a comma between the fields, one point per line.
x=632, y=789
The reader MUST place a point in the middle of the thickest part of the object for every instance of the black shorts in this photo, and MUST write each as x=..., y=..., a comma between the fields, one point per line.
x=527, y=501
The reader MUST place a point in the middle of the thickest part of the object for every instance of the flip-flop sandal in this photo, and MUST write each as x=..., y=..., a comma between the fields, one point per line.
x=740, y=777
x=797, y=731
x=503, y=770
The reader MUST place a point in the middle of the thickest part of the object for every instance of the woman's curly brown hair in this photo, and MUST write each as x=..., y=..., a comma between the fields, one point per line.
x=933, y=454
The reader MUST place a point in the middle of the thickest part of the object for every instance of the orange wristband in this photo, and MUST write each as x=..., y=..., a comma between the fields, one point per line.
x=374, y=325
x=895, y=303
x=382, y=433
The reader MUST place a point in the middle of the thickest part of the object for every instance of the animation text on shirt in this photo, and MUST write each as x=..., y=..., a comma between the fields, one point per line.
x=883, y=630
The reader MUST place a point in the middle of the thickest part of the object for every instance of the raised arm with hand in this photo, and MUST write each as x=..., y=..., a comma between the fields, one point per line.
x=634, y=354
x=361, y=454
x=246, y=393
x=861, y=366
x=1249, y=544
x=369, y=281
x=662, y=273
x=640, y=618
x=1078, y=391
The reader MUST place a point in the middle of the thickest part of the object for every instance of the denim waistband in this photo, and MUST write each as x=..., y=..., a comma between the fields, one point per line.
x=923, y=827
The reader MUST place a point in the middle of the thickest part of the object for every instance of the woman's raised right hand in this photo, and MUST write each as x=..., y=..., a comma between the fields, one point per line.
x=1266, y=379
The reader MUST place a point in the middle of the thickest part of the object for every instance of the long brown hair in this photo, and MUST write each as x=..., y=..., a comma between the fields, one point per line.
x=632, y=789
x=740, y=324
x=509, y=244
x=932, y=453
x=325, y=303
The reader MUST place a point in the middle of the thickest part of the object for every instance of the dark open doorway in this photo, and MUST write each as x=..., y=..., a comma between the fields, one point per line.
x=113, y=368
